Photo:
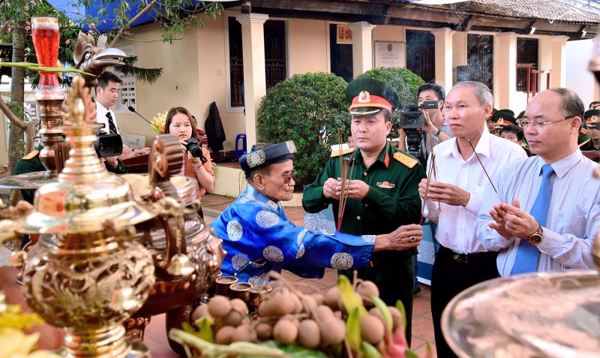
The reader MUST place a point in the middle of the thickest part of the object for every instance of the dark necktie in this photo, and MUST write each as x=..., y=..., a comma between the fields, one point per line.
x=111, y=124
x=528, y=254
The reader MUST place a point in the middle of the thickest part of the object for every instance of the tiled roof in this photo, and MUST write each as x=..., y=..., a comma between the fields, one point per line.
x=573, y=11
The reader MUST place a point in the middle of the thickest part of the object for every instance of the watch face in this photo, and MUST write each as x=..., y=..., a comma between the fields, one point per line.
x=535, y=238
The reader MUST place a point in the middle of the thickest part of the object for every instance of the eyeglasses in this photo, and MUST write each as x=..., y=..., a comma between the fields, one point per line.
x=287, y=176
x=526, y=122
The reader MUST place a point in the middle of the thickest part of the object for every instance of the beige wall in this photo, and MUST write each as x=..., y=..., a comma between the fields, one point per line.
x=307, y=46
x=3, y=144
x=193, y=76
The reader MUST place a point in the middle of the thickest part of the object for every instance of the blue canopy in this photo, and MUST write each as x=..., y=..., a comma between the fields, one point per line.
x=105, y=22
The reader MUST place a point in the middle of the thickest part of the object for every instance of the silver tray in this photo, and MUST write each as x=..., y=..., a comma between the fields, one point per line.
x=535, y=315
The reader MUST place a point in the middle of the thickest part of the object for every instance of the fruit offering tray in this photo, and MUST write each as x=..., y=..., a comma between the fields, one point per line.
x=279, y=320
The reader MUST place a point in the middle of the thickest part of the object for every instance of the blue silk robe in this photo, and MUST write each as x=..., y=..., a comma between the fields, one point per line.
x=259, y=238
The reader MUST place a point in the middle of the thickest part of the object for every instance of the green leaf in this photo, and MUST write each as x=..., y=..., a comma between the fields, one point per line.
x=205, y=325
x=369, y=351
x=350, y=299
x=385, y=313
x=400, y=307
x=294, y=350
x=353, y=330
x=410, y=354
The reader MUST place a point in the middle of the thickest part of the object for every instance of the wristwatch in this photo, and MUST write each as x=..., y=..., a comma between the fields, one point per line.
x=439, y=131
x=537, y=236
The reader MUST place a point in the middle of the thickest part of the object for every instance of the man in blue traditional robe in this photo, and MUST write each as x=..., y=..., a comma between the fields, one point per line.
x=259, y=238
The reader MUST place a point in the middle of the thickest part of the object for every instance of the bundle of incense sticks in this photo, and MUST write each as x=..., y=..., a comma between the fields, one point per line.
x=485, y=171
x=431, y=173
x=345, y=179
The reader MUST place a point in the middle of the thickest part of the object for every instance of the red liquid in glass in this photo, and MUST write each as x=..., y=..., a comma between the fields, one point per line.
x=45, y=39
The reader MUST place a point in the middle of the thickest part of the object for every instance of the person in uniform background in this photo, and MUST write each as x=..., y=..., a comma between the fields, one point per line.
x=594, y=105
x=381, y=191
x=592, y=122
x=454, y=191
x=547, y=211
x=179, y=122
x=28, y=164
x=503, y=118
x=258, y=237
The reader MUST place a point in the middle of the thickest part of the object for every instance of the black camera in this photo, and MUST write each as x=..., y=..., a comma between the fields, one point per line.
x=430, y=105
x=193, y=146
x=108, y=145
x=411, y=118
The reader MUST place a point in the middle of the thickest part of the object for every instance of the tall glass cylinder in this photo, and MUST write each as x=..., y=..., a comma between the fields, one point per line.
x=46, y=36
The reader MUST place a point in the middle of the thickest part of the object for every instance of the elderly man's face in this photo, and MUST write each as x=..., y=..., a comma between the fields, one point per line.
x=464, y=113
x=558, y=137
x=278, y=184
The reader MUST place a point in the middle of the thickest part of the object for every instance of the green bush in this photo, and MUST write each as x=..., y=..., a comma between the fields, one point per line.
x=403, y=80
x=311, y=109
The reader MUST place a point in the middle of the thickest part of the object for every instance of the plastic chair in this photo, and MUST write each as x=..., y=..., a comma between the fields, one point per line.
x=239, y=151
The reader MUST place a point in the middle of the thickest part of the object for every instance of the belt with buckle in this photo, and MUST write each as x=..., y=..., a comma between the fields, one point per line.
x=468, y=258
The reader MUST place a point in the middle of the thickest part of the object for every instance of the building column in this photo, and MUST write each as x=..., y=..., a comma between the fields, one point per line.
x=459, y=52
x=443, y=57
x=255, y=81
x=362, y=47
x=505, y=70
x=558, y=78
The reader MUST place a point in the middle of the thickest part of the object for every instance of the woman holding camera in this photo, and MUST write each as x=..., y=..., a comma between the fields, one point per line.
x=197, y=163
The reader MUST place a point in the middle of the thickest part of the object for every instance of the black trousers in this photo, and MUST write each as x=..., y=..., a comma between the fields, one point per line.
x=452, y=274
x=393, y=273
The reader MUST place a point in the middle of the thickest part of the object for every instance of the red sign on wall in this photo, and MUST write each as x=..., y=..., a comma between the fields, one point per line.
x=344, y=35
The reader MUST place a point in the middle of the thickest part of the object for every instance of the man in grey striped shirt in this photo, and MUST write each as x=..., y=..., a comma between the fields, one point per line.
x=547, y=210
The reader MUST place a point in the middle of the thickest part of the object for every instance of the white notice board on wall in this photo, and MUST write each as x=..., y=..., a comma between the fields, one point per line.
x=127, y=93
x=390, y=54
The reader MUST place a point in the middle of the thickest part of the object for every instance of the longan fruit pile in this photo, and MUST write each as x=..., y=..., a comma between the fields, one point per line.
x=314, y=321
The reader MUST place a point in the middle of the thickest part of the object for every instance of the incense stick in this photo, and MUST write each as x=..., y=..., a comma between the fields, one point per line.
x=344, y=200
x=484, y=170
x=431, y=170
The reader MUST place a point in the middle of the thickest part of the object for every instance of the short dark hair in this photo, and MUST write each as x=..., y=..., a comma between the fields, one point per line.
x=106, y=77
x=572, y=106
x=430, y=86
x=518, y=131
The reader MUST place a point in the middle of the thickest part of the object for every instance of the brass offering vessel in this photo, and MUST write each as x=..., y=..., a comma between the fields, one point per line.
x=87, y=274
x=186, y=255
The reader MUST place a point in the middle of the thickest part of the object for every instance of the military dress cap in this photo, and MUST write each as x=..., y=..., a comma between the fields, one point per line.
x=370, y=96
x=272, y=154
x=504, y=117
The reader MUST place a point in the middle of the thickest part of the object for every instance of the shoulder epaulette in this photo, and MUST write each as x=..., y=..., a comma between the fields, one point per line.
x=341, y=149
x=31, y=154
x=405, y=159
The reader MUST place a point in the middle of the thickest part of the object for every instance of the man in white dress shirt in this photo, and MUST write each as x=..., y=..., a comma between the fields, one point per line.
x=453, y=192
x=548, y=210
x=107, y=95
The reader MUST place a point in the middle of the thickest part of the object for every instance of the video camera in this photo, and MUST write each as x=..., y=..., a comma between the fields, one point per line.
x=108, y=145
x=412, y=121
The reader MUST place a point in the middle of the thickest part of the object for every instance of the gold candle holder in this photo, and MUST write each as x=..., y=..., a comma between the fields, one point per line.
x=240, y=290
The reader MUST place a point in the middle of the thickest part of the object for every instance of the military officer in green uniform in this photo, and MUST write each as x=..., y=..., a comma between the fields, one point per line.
x=382, y=190
x=28, y=164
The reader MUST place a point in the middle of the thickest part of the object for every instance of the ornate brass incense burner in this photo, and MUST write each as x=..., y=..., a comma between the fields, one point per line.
x=187, y=257
x=87, y=274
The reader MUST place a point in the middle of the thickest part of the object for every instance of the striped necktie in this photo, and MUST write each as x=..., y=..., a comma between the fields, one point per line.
x=111, y=124
x=528, y=254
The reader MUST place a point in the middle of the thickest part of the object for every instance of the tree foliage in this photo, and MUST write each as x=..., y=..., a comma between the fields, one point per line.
x=403, y=80
x=311, y=109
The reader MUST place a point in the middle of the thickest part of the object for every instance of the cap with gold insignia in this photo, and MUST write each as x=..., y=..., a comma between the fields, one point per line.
x=272, y=154
x=504, y=117
x=369, y=96
x=592, y=118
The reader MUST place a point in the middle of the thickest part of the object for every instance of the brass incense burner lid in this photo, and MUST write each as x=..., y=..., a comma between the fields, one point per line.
x=86, y=194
